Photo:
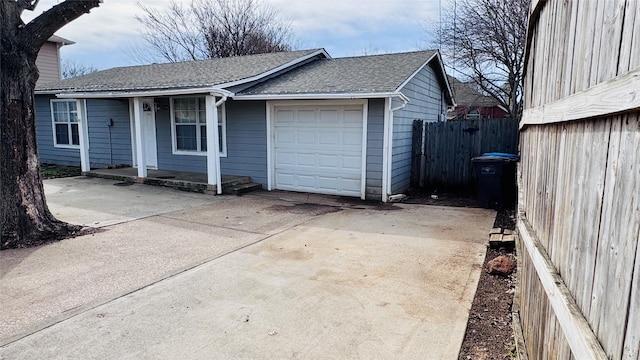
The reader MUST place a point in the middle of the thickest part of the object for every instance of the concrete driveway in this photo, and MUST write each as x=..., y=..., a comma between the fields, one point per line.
x=270, y=275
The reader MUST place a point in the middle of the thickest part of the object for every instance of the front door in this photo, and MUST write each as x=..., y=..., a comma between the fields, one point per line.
x=149, y=126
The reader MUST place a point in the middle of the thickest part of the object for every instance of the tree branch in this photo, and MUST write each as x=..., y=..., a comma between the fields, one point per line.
x=26, y=5
x=40, y=29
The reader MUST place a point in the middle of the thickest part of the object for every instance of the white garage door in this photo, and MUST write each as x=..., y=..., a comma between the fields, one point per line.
x=319, y=149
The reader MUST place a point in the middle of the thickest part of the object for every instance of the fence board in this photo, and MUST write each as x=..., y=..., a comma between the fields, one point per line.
x=616, y=253
x=579, y=178
x=450, y=146
x=416, y=152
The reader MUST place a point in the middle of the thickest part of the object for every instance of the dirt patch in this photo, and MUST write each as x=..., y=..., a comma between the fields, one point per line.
x=425, y=197
x=304, y=209
x=355, y=203
x=489, y=333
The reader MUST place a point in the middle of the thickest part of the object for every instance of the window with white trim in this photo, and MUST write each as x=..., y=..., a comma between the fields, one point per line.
x=66, y=131
x=189, y=126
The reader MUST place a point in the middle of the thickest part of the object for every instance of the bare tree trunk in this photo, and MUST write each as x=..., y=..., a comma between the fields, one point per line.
x=25, y=219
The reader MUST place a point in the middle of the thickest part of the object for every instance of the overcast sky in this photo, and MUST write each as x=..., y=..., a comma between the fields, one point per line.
x=104, y=38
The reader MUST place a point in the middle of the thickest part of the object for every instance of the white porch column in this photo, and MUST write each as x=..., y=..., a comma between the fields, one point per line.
x=213, y=144
x=83, y=135
x=141, y=155
x=386, y=151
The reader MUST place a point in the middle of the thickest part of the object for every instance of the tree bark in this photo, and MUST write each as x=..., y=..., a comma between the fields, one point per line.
x=25, y=219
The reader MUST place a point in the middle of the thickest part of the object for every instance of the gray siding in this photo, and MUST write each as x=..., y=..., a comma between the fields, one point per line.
x=106, y=145
x=426, y=103
x=246, y=140
x=375, y=142
x=109, y=145
x=166, y=159
x=44, y=132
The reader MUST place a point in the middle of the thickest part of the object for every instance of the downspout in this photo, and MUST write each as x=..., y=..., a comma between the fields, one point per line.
x=387, y=151
x=213, y=152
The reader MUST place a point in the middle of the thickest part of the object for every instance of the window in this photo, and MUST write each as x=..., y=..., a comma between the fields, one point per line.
x=473, y=114
x=190, y=128
x=64, y=114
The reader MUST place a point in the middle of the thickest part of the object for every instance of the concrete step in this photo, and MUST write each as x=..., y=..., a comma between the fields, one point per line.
x=241, y=188
x=228, y=181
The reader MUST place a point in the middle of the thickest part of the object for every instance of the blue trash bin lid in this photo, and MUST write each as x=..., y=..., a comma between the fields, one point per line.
x=505, y=155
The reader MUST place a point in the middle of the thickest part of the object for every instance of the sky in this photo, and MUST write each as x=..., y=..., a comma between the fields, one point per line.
x=105, y=37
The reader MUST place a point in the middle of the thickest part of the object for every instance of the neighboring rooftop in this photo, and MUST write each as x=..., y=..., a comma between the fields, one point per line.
x=188, y=74
x=467, y=96
x=362, y=74
x=60, y=40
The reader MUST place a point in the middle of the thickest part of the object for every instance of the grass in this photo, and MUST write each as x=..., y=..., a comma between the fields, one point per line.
x=51, y=171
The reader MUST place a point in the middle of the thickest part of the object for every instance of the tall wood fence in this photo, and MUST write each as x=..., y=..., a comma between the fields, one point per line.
x=578, y=293
x=442, y=151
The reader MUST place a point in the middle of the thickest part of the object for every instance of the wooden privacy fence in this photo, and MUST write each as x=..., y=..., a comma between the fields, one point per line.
x=442, y=151
x=578, y=295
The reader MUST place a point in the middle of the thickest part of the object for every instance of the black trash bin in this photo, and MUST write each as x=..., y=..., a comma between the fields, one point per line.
x=496, y=173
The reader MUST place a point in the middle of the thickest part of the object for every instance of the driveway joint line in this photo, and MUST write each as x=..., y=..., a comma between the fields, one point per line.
x=209, y=225
x=71, y=313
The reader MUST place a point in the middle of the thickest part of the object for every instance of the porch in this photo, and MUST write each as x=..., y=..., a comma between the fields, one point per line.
x=181, y=180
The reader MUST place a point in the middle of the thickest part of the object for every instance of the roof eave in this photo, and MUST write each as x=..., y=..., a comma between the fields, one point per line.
x=321, y=96
x=135, y=93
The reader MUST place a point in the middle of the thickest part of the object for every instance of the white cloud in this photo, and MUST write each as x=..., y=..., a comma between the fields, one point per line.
x=344, y=27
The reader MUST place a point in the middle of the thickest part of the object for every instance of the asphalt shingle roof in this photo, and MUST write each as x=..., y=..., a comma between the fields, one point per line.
x=362, y=74
x=189, y=74
x=467, y=96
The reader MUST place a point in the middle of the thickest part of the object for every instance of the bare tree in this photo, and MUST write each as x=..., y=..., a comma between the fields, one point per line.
x=72, y=68
x=485, y=41
x=211, y=29
x=25, y=219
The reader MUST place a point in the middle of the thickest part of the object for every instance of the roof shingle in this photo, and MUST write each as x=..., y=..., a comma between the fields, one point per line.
x=362, y=74
x=182, y=75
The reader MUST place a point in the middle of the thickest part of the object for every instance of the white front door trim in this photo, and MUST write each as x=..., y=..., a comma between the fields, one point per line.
x=149, y=119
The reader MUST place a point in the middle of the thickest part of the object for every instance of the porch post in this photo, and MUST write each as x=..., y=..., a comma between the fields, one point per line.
x=140, y=145
x=83, y=135
x=213, y=144
x=386, y=151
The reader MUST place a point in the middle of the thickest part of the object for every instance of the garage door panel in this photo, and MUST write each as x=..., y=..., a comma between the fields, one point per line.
x=352, y=139
x=286, y=180
x=329, y=138
x=353, y=117
x=328, y=161
x=330, y=117
x=352, y=163
x=319, y=149
x=284, y=116
x=306, y=117
x=306, y=137
x=307, y=160
x=286, y=137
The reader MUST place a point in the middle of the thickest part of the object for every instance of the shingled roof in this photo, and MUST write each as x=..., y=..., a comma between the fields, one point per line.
x=182, y=75
x=362, y=74
x=467, y=96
